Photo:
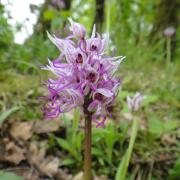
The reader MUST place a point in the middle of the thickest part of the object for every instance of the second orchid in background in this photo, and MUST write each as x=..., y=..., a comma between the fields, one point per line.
x=134, y=104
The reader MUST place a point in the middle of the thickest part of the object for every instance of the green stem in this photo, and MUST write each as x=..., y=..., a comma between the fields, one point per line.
x=87, y=150
x=168, y=51
x=108, y=14
x=122, y=169
x=169, y=66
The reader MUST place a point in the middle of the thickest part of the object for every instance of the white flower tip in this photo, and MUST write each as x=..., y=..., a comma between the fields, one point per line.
x=128, y=98
x=123, y=57
x=50, y=37
x=49, y=61
x=78, y=30
x=106, y=36
x=71, y=22
x=93, y=31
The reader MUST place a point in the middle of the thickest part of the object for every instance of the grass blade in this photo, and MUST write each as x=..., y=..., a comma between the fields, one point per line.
x=7, y=113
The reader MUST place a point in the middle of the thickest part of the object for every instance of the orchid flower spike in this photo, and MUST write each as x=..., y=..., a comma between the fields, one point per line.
x=84, y=75
x=134, y=103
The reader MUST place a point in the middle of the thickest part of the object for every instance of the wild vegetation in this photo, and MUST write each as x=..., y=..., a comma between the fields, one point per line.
x=34, y=148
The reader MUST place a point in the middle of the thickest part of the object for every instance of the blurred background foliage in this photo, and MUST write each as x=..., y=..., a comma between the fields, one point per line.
x=136, y=30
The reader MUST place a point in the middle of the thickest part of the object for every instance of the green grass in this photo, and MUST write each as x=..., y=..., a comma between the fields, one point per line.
x=158, y=116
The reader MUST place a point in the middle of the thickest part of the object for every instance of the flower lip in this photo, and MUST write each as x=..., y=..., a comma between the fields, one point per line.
x=98, y=97
x=91, y=77
x=93, y=48
x=78, y=80
x=79, y=58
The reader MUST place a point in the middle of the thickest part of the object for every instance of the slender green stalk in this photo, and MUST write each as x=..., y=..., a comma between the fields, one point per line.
x=108, y=17
x=168, y=51
x=108, y=12
x=169, y=65
x=122, y=169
